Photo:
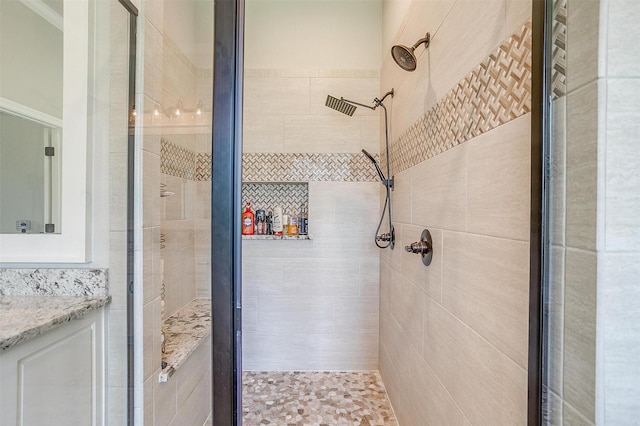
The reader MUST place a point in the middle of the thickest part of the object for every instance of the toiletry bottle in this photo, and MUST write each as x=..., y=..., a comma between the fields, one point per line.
x=261, y=222
x=269, y=223
x=285, y=223
x=248, y=221
x=277, y=221
x=293, y=224
x=303, y=222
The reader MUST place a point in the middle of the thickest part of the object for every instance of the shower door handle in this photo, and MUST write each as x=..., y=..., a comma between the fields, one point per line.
x=424, y=247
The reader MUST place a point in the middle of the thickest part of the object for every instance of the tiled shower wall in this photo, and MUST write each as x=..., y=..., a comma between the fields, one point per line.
x=313, y=305
x=594, y=298
x=453, y=336
x=182, y=219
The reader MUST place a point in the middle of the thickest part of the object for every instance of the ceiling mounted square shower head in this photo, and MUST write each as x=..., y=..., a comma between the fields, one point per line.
x=340, y=105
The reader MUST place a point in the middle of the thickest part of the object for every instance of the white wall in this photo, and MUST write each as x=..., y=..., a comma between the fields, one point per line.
x=313, y=34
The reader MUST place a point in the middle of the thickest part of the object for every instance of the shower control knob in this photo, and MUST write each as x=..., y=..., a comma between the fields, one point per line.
x=424, y=247
x=418, y=247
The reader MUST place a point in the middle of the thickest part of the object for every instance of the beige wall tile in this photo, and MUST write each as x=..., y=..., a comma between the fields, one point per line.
x=118, y=269
x=468, y=34
x=556, y=320
x=147, y=265
x=407, y=305
x=196, y=368
x=499, y=181
x=558, y=170
x=486, y=285
x=150, y=189
x=263, y=133
x=249, y=314
x=276, y=96
x=356, y=315
x=174, y=206
x=164, y=406
x=369, y=276
x=371, y=135
x=623, y=55
x=147, y=349
x=518, y=11
x=426, y=278
x=148, y=400
x=197, y=407
x=155, y=331
x=621, y=336
x=416, y=394
x=571, y=417
x=310, y=351
x=263, y=277
x=361, y=90
x=438, y=191
x=295, y=314
x=321, y=133
x=117, y=350
x=467, y=365
x=580, y=331
x=322, y=277
x=583, y=49
x=401, y=197
x=622, y=159
x=582, y=167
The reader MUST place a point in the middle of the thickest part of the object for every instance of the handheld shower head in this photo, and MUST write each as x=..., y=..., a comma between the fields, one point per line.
x=383, y=179
x=405, y=56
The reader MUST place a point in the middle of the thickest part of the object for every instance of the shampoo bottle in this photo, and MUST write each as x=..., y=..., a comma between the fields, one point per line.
x=277, y=221
x=248, y=221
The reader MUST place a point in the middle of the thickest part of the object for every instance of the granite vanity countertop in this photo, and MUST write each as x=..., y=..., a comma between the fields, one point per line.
x=24, y=317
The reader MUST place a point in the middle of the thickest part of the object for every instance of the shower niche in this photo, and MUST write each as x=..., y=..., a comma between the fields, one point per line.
x=290, y=196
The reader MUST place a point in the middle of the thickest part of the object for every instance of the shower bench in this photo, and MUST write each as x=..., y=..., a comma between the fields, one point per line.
x=184, y=333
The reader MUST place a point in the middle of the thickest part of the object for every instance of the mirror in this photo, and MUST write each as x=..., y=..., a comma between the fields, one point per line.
x=46, y=92
x=31, y=92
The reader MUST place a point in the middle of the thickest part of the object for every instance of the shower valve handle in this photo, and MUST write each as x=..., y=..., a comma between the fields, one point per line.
x=419, y=247
x=424, y=247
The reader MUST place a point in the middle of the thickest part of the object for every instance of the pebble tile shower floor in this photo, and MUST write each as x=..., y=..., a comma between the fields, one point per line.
x=310, y=398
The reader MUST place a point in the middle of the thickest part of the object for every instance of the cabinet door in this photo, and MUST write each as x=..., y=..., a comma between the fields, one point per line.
x=56, y=379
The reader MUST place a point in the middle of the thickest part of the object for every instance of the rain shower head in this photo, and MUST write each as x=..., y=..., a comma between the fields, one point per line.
x=405, y=56
x=340, y=105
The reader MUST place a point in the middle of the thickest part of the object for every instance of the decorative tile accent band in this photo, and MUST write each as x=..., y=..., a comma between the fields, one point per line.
x=283, y=167
x=53, y=282
x=494, y=93
x=203, y=170
x=559, y=49
x=266, y=196
x=177, y=161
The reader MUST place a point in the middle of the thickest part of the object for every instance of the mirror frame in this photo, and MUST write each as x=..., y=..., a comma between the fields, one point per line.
x=73, y=244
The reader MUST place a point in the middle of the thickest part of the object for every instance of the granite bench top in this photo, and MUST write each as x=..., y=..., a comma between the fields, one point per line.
x=24, y=317
x=184, y=332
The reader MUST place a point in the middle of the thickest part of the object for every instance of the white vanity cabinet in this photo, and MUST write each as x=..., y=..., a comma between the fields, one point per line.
x=57, y=378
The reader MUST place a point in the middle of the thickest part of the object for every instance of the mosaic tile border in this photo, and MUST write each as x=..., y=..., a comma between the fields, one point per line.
x=307, y=167
x=177, y=161
x=203, y=167
x=494, y=93
x=266, y=196
x=53, y=282
x=559, y=49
